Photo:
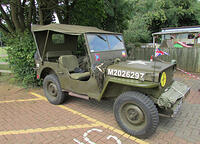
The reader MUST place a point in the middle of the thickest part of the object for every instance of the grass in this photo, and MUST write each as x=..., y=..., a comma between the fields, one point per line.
x=4, y=67
x=5, y=77
x=3, y=59
x=8, y=78
x=3, y=51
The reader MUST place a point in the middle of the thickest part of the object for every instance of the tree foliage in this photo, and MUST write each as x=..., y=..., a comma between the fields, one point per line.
x=156, y=14
x=171, y=13
x=117, y=15
x=88, y=13
x=17, y=16
x=20, y=52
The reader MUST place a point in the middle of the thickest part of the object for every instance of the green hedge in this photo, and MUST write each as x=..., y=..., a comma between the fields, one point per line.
x=21, y=49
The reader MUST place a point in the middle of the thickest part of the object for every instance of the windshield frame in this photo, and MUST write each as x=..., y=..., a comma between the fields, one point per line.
x=109, y=48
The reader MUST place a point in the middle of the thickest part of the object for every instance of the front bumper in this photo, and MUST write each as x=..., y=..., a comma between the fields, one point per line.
x=171, y=100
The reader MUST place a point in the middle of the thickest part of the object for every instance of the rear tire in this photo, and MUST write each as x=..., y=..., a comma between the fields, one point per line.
x=136, y=114
x=52, y=90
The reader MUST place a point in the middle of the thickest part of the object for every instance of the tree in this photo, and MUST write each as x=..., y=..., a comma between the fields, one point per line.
x=88, y=13
x=117, y=15
x=137, y=31
x=107, y=14
x=46, y=11
x=171, y=13
x=16, y=17
x=152, y=15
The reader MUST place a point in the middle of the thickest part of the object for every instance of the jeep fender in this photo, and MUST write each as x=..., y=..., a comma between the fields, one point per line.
x=127, y=83
x=43, y=72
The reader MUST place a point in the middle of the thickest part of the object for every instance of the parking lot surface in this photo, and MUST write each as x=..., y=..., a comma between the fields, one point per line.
x=27, y=117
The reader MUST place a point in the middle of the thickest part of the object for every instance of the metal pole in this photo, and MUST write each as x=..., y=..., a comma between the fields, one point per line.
x=45, y=45
x=154, y=47
x=154, y=43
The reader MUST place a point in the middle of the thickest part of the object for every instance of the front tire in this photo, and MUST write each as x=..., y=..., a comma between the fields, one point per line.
x=52, y=90
x=136, y=114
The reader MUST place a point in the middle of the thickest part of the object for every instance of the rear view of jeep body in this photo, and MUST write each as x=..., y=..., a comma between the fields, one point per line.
x=141, y=89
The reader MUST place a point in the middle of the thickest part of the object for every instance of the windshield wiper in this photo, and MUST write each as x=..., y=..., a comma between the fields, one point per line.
x=118, y=38
x=101, y=37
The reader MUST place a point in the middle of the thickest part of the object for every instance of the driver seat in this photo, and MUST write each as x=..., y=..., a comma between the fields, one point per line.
x=70, y=62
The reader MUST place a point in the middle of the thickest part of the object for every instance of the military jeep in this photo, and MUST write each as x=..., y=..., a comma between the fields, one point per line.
x=99, y=68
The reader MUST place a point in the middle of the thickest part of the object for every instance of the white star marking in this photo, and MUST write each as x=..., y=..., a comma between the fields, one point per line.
x=137, y=62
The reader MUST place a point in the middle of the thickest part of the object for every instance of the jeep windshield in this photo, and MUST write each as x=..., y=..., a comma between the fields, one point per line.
x=105, y=42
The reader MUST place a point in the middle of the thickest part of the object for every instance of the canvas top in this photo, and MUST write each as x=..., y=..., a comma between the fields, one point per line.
x=68, y=29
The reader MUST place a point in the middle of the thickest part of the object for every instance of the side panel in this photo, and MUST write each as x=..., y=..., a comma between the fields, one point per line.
x=89, y=88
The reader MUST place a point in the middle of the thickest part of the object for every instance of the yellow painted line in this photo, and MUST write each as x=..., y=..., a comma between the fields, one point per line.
x=21, y=100
x=38, y=96
x=49, y=129
x=78, y=113
x=120, y=132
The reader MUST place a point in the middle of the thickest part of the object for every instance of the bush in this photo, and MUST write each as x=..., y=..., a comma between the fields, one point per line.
x=137, y=31
x=21, y=49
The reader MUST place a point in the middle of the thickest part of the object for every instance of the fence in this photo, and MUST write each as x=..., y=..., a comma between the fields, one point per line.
x=187, y=58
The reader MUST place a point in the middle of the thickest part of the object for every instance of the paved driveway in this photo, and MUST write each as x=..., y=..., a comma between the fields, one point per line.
x=26, y=117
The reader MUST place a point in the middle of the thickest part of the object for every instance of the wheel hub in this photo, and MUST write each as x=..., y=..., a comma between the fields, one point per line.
x=52, y=89
x=134, y=114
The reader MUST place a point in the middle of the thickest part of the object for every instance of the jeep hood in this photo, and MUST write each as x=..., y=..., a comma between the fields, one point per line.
x=150, y=70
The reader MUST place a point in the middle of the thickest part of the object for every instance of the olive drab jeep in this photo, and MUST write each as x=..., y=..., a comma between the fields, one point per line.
x=90, y=63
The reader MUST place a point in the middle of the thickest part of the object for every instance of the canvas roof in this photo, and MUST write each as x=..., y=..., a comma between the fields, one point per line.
x=68, y=29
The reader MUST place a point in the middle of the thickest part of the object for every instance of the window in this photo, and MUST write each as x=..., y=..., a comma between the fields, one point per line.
x=105, y=42
x=182, y=36
x=115, y=42
x=97, y=42
x=191, y=36
x=58, y=38
x=166, y=37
